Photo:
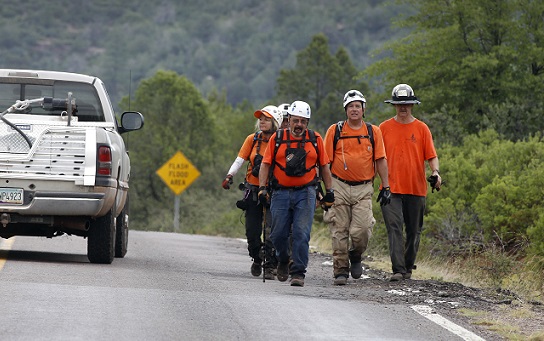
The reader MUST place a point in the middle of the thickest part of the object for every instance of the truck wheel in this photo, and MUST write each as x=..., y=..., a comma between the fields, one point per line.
x=121, y=232
x=101, y=241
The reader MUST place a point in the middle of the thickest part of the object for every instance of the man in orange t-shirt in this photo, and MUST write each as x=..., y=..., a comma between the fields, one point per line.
x=408, y=144
x=289, y=168
x=356, y=154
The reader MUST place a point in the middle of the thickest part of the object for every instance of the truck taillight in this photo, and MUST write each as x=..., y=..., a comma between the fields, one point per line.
x=104, y=161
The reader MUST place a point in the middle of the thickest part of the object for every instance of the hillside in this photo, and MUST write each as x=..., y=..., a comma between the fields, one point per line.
x=239, y=47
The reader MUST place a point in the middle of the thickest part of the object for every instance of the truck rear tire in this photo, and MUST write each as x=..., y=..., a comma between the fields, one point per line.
x=121, y=232
x=101, y=240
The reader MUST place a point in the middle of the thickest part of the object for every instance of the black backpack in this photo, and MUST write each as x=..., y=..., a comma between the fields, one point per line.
x=279, y=140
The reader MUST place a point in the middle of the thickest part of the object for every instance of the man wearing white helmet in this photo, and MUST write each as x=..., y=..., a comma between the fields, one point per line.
x=409, y=143
x=357, y=153
x=289, y=172
x=284, y=108
x=252, y=150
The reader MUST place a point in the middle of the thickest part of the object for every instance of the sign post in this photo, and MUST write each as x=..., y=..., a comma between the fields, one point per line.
x=178, y=173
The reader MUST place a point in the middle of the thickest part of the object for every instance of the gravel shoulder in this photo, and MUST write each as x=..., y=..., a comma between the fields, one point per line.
x=492, y=314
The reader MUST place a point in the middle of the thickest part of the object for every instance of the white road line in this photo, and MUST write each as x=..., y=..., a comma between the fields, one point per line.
x=427, y=312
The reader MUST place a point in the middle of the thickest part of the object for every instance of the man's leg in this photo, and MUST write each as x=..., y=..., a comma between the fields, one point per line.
x=303, y=215
x=413, y=211
x=339, y=216
x=392, y=215
x=360, y=229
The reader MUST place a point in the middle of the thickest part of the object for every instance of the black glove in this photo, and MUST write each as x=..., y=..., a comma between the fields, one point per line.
x=433, y=180
x=263, y=195
x=384, y=197
x=328, y=200
x=227, y=182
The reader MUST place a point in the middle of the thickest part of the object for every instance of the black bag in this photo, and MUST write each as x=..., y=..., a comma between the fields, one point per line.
x=256, y=165
x=295, y=161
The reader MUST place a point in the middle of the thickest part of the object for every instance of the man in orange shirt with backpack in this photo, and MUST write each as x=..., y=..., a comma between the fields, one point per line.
x=289, y=171
x=408, y=144
x=357, y=153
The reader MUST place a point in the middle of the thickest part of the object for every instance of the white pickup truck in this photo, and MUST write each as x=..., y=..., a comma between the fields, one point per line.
x=64, y=167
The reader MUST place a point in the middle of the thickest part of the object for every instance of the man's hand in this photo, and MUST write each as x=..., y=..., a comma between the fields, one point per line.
x=227, y=182
x=328, y=200
x=384, y=197
x=435, y=181
x=263, y=195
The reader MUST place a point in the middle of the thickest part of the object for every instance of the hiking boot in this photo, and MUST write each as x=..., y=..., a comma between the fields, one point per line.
x=269, y=273
x=407, y=275
x=356, y=269
x=297, y=281
x=256, y=269
x=341, y=280
x=282, y=272
x=396, y=277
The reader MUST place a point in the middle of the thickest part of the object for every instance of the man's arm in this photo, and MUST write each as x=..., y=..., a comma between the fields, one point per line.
x=326, y=176
x=263, y=174
x=381, y=167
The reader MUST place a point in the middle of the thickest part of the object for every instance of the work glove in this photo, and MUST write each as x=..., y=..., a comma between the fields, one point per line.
x=433, y=180
x=227, y=182
x=328, y=200
x=263, y=195
x=384, y=197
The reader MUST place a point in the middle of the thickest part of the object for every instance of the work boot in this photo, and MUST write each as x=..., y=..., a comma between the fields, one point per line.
x=269, y=273
x=283, y=271
x=341, y=280
x=407, y=275
x=297, y=281
x=356, y=269
x=396, y=277
x=256, y=269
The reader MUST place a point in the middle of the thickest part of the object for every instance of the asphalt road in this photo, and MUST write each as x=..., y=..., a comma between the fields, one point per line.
x=178, y=287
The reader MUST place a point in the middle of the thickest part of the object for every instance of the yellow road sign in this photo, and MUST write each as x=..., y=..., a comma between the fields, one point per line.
x=178, y=173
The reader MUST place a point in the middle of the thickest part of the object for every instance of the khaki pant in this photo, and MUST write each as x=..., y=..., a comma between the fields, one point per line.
x=350, y=221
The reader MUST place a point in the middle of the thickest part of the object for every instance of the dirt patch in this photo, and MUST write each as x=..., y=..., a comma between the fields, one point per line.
x=492, y=314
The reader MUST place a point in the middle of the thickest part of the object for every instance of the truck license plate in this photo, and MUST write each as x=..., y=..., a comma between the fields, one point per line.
x=11, y=196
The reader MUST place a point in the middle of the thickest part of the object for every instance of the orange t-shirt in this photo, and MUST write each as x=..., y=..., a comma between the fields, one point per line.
x=248, y=153
x=311, y=159
x=408, y=146
x=355, y=154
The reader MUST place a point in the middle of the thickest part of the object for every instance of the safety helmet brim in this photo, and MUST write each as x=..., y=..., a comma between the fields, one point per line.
x=412, y=101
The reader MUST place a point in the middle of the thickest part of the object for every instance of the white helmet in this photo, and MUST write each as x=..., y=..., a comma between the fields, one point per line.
x=284, y=108
x=271, y=111
x=301, y=109
x=403, y=94
x=352, y=96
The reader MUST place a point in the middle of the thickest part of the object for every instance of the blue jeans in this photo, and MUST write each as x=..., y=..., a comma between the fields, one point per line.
x=296, y=208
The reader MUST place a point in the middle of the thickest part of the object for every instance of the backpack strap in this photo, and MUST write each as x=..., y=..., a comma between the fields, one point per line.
x=338, y=136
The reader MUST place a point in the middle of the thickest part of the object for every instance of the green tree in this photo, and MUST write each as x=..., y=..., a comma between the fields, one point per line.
x=474, y=64
x=321, y=79
x=176, y=118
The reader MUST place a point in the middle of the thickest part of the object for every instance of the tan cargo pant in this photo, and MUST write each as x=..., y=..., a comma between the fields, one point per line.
x=350, y=221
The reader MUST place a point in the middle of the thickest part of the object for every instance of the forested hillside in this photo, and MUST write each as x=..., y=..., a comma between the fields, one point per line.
x=236, y=45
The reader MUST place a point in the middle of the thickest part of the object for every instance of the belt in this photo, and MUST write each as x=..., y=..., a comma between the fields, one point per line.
x=352, y=183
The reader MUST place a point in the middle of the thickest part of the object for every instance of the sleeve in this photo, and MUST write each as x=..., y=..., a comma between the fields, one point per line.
x=323, y=157
x=379, y=147
x=245, y=150
x=329, y=141
x=236, y=165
